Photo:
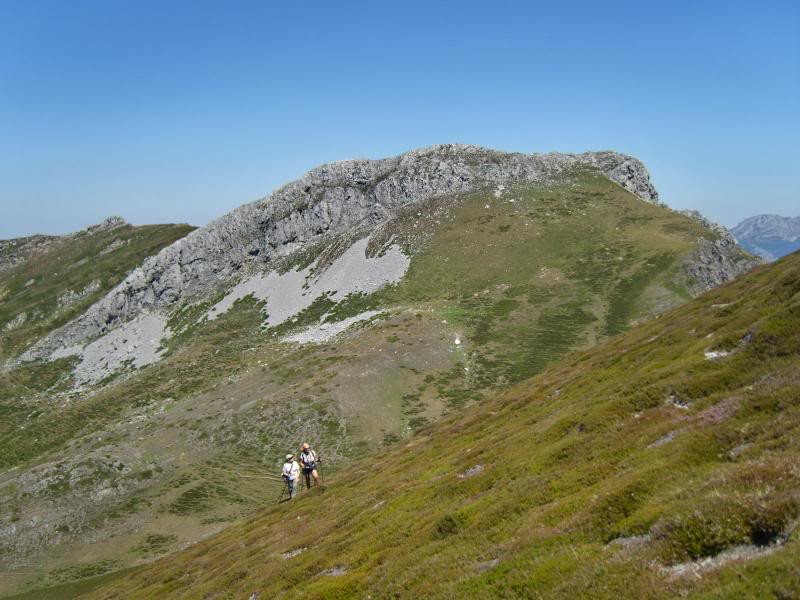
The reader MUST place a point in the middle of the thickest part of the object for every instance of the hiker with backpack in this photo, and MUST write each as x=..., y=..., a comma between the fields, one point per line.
x=290, y=473
x=309, y=460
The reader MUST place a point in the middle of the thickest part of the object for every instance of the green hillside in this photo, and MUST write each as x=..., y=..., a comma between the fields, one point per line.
x=615, y=473
x=62, y=276
x=498, y=287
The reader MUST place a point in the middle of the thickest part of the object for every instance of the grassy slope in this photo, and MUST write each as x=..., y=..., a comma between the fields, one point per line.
x=588, y=451
x=519, y=283
x=542, y=271
x=33, y=287
x=72, y=263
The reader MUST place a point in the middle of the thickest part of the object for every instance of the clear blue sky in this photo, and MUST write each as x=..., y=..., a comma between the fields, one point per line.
x=177, y=111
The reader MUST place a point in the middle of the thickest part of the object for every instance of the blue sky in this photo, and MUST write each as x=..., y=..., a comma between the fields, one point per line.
x=177, y=111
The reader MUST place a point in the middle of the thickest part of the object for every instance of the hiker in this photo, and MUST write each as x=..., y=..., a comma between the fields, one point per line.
x=291, y=471
x=309, y=461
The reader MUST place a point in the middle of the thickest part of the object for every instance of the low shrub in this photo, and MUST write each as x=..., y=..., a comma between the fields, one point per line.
x=448, y=525
x=722, y=522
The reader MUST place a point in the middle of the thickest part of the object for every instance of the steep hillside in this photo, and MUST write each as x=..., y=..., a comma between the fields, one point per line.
x=46, y=281
x=769, y=236
x=351, y=308
x=335, y=199
x=662, y=463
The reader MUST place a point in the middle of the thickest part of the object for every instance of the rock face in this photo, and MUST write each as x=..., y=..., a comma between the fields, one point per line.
x=331, y=199
x=715, y=262
x=769, y=236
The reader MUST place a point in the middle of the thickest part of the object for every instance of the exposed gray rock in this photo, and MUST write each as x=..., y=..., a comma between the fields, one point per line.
x=677, y=401
x=115, y=245
x=717, y=262
x=15, y=252
x=136, y=343
x=335, y=198
x=735, y=554
x=486, y=565
x=16, y=322
x=695, y=215
x=630, y=173
x=289, y=293
x=69, y=491
x=71, y=297
x=664, y=439
x=108, y=224
x=471, y=472
x=293, y=553
x=325, y=332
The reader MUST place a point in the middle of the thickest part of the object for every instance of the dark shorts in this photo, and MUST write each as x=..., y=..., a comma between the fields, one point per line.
x=307, y=470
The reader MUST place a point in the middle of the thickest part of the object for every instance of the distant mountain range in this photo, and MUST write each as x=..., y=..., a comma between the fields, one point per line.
x=769, y=236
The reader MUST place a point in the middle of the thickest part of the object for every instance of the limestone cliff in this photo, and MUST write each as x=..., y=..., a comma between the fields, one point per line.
x=332, y=198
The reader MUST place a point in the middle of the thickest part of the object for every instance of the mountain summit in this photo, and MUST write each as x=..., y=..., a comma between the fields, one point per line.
x=334, y=199
x=769, y=236
x=154, y=376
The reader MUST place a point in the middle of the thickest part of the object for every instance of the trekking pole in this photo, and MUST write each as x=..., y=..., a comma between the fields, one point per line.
x=284, y=488
x=321, y=478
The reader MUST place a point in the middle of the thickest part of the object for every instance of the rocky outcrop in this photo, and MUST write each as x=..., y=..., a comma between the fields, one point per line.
x=720, y=230
x=630, y=173
x=716, y=262
x=108, y=224
x=16, y=251
x=72, y=297
x=61, y=498
x=332, y=198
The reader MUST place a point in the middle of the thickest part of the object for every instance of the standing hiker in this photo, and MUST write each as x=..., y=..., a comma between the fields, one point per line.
x=291, y=471
x=309, y=461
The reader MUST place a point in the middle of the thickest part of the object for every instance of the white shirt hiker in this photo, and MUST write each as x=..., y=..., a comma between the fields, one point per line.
x=291, y=470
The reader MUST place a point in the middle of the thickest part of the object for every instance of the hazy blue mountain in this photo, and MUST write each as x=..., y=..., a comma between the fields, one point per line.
x=769, y=236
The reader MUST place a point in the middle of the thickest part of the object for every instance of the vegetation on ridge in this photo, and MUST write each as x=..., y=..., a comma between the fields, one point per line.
x=607, y=475
x=500, y=285
x=59, y=282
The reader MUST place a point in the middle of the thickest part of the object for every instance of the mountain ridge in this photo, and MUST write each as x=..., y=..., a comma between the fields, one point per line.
x=47, y=281
x=351, y=338
x=333, y=198
x=15, y=251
